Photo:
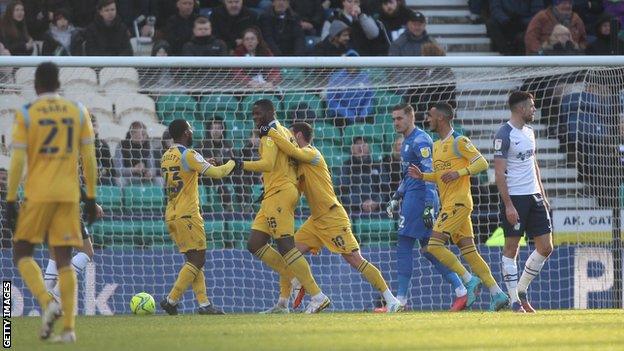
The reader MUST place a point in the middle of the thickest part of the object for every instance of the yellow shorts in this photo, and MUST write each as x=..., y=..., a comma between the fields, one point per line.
x=277, y=213
x=332, y=230
x=187, y=233
x=455, y=222
x=60, y=221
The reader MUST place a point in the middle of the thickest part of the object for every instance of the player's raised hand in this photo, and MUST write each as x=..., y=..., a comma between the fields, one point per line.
x=450, y=176
x=414, y=172
x=264, y=131
x=11, y=214
x=428, y=217
x=91, y=210
x=212, y=161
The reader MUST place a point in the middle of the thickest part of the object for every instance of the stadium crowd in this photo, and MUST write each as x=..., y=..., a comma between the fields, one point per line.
x=297, y=27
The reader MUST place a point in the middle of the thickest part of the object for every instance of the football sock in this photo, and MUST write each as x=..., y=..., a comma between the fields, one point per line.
x=510, y=277
x=68, y=286
x=272, y=258
x=187, y=275
x=300, y=268
x=31, y=275
x=466, y=277
x=373, y=276
x=51, y=274
x=79, y=261
x=439, y=250
x=199, y=288
x=285, y=286
x=405, y=264
x=448, y=275
x=479, y=267
x=532, y=267
x=282, y=302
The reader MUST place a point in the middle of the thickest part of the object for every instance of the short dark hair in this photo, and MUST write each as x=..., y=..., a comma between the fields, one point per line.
x=358, y=139
x=405, y=107
x=103, y=3
x=445, y=108
x=265, y=104
x=517, y=97
x=304, y=128
x=47, y=76
x=177, y=128
x=201, y=20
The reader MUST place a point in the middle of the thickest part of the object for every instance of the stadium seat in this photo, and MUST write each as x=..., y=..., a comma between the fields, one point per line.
x=249, y=100
x=237, y=232
x=238, y=132
x=375, y=230
x=78, y=79
x=385, y=101
x=109, y=197
x=116, y=80
x=324, y=131
x=334, y=156
x=215, y=231
x=369, y=131
x=144, y=197
x=174, y=106
x=216, y=105
x=293, y=101
x=152, y=232
x=9, y=103
x=211, y=199
x=101, y=106
x=293, y=74
x=113, y=232
x=25, y=77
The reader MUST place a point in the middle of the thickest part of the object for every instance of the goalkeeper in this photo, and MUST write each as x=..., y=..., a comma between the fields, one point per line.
x=419, y=204
x=329, y=224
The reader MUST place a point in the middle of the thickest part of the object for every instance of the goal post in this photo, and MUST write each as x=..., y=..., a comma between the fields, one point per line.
x=579, y=128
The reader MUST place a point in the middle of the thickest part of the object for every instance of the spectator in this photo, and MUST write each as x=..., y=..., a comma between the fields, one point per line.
x=230, y=20
x=410, y=42
x=310, y=14
x=254, y=45
x=215, y=145
x=338, y=41
x=560, y=43
x=590, y=12
x=392, y=165
x=542, y=25
x=282, y=30
x=366, y=37
x=394, y=16
x=163, y=76
x=476, y=10
x=161, y=48
x=13, y=30
x=135, y=157
x=349, y=97
x=166, y=141
x=203, y=42
x=38, y=15
x=508, y=21
x=107, y=174
x=179, y=28
x=615, y=8
x=361, y=179
x=107, y=35
x=57, y=41
x=129, y=10
x=607, y=41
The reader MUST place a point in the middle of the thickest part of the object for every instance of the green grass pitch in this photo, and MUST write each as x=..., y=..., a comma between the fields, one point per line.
x=546, y=330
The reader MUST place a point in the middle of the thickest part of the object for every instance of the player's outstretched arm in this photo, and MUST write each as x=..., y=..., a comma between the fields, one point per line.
x=306, y=155
x=268, y=156
x=477, y=163
x=218, y=172
x=197, y=163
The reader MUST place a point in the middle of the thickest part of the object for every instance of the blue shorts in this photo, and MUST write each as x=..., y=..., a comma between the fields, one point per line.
x=411, y=222
x=534, y=218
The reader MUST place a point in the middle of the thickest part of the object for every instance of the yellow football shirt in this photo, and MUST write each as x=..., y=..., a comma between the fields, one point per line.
x=278, y=170
x=180, y=166
x=314, y=177
x=52, y=130
x=455, y=153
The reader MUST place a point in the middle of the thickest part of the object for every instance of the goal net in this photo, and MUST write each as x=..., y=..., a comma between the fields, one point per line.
x=579, y=128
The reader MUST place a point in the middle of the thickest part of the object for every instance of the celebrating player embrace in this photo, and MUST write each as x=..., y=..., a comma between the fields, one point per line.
x=454, y=160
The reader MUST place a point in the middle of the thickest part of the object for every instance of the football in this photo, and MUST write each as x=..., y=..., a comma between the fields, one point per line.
x=142, y=304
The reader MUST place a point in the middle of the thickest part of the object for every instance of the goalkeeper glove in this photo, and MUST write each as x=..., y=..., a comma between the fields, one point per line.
x=11, y=214
x=392, y=205
x=428, y=217
x=91, y=210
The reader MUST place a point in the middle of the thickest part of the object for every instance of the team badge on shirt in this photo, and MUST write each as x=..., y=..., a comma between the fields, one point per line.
x=425, y=152
x=270, y=142
x=498, y=144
